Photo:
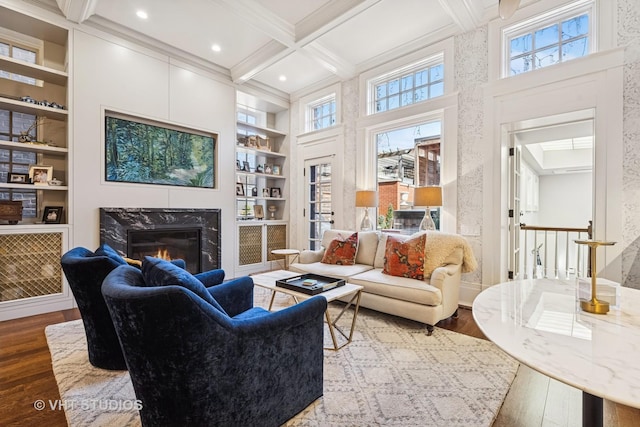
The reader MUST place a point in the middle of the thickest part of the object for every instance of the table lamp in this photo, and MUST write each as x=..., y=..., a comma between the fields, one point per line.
x=427, y=197
x=366, y=199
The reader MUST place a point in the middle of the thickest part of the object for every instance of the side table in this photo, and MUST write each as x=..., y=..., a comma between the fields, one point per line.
x=286, y=253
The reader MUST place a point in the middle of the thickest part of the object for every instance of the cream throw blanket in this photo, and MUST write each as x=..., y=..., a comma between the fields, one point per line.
x=440, y=246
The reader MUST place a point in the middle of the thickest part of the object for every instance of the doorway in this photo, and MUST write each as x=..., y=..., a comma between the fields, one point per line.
x=551, y=195
x=318, y=212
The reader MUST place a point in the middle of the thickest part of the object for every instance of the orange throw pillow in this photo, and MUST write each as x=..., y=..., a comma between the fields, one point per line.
x=341, y=252
x=405, y=258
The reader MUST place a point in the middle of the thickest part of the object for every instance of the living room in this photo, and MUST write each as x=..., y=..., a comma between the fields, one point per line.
x=116, y=67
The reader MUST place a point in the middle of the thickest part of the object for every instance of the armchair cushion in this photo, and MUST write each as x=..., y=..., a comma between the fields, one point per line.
x=109, y=252
x=158, y=272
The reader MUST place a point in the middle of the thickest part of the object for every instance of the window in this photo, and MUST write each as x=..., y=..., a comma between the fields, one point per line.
x=560, y=36
x=16, y=52
x=407, y=158
x=409, y=85
x=321, y=114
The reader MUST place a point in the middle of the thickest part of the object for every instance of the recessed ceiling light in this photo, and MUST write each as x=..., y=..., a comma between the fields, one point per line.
x=142, y=14
x=216, y=48
x=283, y=78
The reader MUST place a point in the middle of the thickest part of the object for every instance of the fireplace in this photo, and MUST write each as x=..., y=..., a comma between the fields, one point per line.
x=192, y=235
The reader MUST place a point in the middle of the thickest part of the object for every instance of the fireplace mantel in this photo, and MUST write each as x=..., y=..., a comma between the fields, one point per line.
x=116, y=222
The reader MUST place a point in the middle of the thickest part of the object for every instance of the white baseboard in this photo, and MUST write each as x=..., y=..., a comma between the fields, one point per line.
x=468, y=292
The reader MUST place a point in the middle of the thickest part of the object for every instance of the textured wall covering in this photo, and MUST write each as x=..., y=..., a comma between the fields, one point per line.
x=629, y=37
x=350, y=103
x=471, y=73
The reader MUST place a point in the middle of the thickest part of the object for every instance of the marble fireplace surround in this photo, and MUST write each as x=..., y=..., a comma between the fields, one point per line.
x=116, y=222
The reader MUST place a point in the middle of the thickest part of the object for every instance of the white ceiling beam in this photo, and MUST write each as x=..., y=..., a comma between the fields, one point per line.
x=77, y=10
x=263, y=19
x=264, y=57
x=329, y=60
x=467, y=14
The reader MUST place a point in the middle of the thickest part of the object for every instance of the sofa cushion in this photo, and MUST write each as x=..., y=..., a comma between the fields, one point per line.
x=405, y=257
x=367, y=246
x=331, y=270
x=341, y=251
x=401, y=288
x=158, y=272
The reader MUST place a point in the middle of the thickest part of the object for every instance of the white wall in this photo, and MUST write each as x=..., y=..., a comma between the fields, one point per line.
x=565, y=200
x=111, y=74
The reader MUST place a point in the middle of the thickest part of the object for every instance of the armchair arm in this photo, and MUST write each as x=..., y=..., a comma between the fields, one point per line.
x=308, y=257
x=211, y=277
x=235, y=296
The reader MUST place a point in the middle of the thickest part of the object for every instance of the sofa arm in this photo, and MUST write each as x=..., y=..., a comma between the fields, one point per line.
x=447, y=278
x=308, y=257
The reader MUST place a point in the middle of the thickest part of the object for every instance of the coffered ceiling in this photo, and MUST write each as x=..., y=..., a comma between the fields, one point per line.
x=301, y=41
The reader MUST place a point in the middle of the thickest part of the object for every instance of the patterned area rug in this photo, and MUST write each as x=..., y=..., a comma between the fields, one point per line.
x=392, y=373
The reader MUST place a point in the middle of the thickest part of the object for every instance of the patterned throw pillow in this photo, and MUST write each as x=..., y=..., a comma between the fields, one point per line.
x=341, y=252
x=405, y=258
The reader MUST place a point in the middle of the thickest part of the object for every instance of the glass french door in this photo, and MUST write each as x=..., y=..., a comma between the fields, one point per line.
x=318, y=212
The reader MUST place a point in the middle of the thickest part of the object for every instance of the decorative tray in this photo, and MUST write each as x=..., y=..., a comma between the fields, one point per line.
x=309, y=283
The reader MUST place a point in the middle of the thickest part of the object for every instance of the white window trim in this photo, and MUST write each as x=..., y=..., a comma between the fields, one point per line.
x=314, y=98
x=309, y=112
x=602, y=22
x=444, y=48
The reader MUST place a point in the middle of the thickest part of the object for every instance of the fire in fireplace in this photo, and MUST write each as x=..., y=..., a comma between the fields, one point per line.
x=174, y=243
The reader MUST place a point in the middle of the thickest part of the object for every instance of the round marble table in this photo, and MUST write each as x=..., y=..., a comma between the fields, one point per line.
x=539, y=323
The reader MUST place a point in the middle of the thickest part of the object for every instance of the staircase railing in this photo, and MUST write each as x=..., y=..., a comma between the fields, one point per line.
x=551, y=252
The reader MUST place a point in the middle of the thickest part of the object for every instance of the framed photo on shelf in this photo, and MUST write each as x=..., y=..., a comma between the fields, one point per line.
x=275, y=192
x=245, y=166
x=238, y=167
x=266, y=192
x=40, y=174
x=276, y=169
x=18, y=178
x=268, y=168
x=52, y=215
x=239, y=189
x=263, y=144
x=259, y=169
x=258, y=212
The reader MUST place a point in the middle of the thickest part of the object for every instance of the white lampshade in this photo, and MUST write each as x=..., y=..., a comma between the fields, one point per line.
x=366, y=199
x=427, y=196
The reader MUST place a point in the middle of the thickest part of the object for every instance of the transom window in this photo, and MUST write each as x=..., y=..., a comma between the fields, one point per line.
x=16, y=52
x=322, y=113
x=410, y=85
x=561, y=36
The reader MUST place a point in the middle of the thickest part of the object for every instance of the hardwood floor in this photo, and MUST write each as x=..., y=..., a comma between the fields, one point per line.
x=26, y=376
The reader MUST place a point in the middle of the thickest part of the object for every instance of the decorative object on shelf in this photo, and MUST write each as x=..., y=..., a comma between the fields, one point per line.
x=267, y=168
x=40, y=174
x=251, y=141
x=55, y=182
x=259, y=169
x=266, y=192
x=182, y=157
x=366, y=199
x=272, y=210
x=263, y=143
x=238, y=167
x=11, y=211
x=275, y=192
x=594, y=305
x=258, y=211
x=245, y=166
x=427, y=197
x=18, y=178
x=276, y=169
x=28, y=99
x=507, y=8
x=239, y=189
x=52, y=215
x=254, y=191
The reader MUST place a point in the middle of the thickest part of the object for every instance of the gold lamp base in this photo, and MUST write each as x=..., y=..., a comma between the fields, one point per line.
x=594, y=306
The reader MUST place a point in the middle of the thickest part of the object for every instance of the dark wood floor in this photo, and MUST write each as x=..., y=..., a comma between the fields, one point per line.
x=26, y=376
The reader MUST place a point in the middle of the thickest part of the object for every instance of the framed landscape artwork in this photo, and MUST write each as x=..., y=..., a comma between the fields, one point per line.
x=142, y=151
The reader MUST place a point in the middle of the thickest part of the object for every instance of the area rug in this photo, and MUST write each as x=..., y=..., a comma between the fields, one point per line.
x=391, y=374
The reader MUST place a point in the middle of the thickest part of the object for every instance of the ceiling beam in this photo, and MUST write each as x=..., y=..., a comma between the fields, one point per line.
x=467, y=14
x=264, y=57
x=77, y=10
x=329, y=60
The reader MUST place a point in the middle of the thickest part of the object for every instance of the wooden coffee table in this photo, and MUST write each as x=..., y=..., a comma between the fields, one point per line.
x=268, y=281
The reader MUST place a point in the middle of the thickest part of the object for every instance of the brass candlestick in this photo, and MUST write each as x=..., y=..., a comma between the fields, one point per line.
x=593, y=305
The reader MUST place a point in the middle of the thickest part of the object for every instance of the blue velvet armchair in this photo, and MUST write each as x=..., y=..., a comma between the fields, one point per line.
x=85, y=270
x=207, y=357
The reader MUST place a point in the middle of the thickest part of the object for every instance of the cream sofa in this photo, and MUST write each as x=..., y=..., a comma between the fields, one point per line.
x=447, y=256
